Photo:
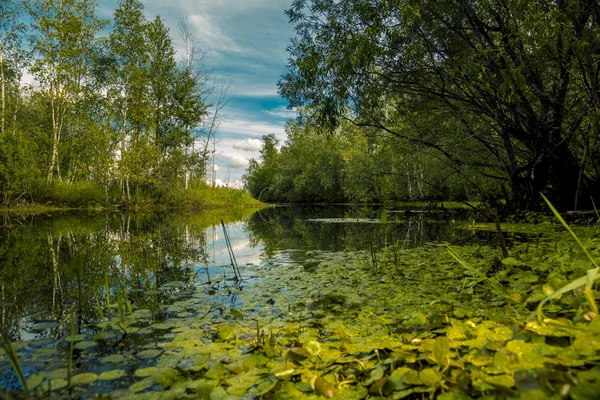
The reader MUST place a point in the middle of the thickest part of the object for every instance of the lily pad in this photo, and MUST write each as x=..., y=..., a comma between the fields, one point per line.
x=150, y=353
x=111, y=375
x=84, y=379
x=142, y=385
x=113, y=358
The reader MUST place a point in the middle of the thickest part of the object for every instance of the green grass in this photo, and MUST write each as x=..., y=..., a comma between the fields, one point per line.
x=208, y=197
x=71, y=195
x=60, y=196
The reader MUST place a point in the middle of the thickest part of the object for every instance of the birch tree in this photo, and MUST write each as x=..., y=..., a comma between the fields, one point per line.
x=63, y=33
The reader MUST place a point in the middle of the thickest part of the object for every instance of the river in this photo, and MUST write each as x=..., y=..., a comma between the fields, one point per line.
x=118, y=288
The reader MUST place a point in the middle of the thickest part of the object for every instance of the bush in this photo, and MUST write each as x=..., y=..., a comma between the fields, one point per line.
x=204, y=196
x=76, y=195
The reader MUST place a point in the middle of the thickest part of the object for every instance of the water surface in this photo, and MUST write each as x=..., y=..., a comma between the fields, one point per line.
x=120, y=285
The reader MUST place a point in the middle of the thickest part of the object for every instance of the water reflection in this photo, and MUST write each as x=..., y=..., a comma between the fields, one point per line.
x=348, y=228
x=54, y=268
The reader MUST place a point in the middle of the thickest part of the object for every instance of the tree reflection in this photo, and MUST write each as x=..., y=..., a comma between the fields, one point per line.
x=54, y=269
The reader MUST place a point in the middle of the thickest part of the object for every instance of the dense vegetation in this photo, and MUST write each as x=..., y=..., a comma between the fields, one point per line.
x=501, y=92
x=111, y=118
x=355, y=165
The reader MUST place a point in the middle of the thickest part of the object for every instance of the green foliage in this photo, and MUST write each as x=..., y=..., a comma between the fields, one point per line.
x=205, y=196
x=73, y=195
x=493, y=91
x=352, y=165
x=113, y=114
x=13, y=358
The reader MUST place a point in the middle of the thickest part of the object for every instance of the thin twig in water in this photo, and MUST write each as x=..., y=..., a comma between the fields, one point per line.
x=236, y=269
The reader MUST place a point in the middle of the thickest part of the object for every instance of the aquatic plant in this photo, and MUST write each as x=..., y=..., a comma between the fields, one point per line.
x=587, y=281
x=13, y=358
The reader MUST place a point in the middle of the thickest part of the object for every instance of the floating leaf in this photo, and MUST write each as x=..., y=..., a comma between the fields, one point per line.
x=265, y=386
x=146, y=372
x=440, y=350
x=283, y=372
x=84, y=379
x=59, y=383
x=142, y=385
x=202, y=387
x=297, y=354
x=225, y=333
x=111, y=375
x=84, y=345
x=216, y=371
x=35, y=380
x=377, y=386
x=113, y=358
x=151, y=353
x=166, y=377
x=402, y=378
x=322, y=387
x=430, y=377
x=312, y=346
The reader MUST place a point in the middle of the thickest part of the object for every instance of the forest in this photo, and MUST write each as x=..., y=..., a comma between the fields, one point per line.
x=111, y=117
x=402, y=100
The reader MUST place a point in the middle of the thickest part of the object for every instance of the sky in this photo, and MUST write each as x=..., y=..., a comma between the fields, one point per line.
x=244, y=42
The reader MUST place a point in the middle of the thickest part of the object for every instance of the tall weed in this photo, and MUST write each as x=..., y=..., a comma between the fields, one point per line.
x=588, y=280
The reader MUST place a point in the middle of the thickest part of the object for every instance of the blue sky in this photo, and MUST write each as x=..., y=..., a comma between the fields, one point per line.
x=245, y=42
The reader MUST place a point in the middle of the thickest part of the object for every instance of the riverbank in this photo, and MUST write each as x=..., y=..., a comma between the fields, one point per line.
x=60, y=197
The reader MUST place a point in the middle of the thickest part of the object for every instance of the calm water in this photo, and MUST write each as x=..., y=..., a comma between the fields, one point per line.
x=68, y=274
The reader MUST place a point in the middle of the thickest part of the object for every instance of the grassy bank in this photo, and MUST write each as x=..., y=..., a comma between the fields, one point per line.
x=62, y=196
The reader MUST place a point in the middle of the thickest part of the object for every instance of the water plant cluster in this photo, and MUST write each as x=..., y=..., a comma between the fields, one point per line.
x=440, y=320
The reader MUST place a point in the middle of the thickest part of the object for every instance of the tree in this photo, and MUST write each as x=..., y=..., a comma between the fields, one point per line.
x=127, y=61
x=11, y=31
x=213, y=97
x=512, y=78
x=260, y=177
x=64, y=32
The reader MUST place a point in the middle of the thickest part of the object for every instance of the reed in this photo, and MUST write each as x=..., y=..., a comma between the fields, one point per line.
x=587, y=280
x=13, y=358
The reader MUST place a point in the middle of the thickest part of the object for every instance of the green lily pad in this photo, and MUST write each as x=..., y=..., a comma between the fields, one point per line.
x=430, y=377
x=225, y=333
x=58, y=384
x=146, y=372
x=113, y=358
x=151, y=353
x=142, y=385
x=215, y=372
x=35, y=380
x=86, y=344
x=84, y=379
x=111, y=375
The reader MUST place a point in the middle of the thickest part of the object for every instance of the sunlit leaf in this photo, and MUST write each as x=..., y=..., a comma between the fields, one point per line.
x=111, y=375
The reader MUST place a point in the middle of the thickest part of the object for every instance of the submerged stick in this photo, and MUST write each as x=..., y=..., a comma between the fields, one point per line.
x=236, y=269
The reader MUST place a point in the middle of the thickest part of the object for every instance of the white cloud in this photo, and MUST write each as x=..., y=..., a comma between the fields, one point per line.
x=251, y=90
x=282, y=112
x=248, y=145
x=234, y=162
x=210, y=36
x=250, y=128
